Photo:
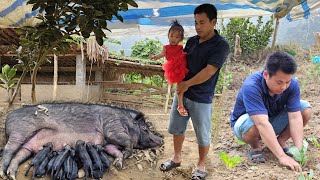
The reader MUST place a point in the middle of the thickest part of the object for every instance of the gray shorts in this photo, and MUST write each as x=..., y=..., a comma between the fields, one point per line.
x=279, y=122
x=201, y=116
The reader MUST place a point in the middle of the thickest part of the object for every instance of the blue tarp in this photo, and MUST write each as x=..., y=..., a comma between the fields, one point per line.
x=15, y=13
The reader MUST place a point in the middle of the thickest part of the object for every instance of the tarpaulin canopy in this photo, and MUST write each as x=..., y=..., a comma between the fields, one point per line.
x=15, y=13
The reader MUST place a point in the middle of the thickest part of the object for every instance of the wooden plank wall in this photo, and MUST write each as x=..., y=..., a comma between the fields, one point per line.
x=136, y=94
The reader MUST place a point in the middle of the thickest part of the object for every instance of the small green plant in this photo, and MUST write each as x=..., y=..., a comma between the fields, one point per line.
x=307, y=177
x=230, y=162
x=8, y=79
x=300, y=155
x=314, y=141
x=238, y=141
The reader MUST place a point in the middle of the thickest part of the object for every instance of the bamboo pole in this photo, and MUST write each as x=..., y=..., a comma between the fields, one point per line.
x=55, y=77
x=275, y=32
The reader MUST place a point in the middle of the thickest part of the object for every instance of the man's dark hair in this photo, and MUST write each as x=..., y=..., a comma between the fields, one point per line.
x=176, y=26
x=280, y=61
x=209, y=9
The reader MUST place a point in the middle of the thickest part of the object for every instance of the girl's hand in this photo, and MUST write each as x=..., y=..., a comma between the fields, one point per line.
x=152, y=56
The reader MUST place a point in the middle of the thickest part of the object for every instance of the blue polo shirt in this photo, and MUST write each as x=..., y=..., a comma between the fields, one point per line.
x=253, y=98
x=214, y=52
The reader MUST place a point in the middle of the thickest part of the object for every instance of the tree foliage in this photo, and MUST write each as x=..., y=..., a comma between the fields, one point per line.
x=82, y=17
x=59, y=20
x=254, y=36
x=146, y=47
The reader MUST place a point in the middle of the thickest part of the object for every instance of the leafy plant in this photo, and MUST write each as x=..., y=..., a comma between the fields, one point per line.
x=155, y=80
x=8, y=79
x=307, y=177
x=230, y=162
x=79, y=16
x=253, y=36
x=314, y=141
x=238, y=141
x=146, y=47
x=300, y=155
x=61, y=19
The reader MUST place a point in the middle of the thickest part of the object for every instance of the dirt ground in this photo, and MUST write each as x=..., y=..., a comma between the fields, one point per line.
x=141, y=169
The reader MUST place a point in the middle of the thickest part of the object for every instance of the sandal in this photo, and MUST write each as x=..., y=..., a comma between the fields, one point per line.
x=287, y=152
x=182, y=111
x=168, y=165
x=199, y=175
x=256, y=156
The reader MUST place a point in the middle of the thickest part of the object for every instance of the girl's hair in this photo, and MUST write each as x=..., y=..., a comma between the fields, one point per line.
x=176, y=26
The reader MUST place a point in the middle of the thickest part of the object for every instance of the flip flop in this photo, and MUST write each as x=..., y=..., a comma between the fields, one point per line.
x=199, y=175
x=256, y=156
x=182, y=111
x=168, y=165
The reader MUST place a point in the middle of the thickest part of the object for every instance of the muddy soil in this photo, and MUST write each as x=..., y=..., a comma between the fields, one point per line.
x=142, y=169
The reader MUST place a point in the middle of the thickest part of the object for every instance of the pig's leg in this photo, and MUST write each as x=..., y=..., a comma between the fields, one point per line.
x=116, y=153
x=13, y=145
x=122, y=139
x=22, y=155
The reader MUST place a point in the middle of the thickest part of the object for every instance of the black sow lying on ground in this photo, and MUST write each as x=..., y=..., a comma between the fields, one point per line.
x=119, y=130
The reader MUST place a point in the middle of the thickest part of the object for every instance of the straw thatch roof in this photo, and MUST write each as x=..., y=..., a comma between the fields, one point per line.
x=9, y=41
x=8, y=36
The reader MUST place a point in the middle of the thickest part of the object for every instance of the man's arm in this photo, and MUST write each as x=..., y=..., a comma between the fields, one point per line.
x=296, y=128
x=199, y=78
x=267, y=134
x=269, y=137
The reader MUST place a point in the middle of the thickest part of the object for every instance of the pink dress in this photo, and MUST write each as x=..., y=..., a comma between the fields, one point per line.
x=175, y=68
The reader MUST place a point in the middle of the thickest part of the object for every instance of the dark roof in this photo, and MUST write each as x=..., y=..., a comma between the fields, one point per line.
x=9, y=42
x=8, y=36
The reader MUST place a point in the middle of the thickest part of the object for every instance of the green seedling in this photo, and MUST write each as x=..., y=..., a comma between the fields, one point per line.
x=300, y=155
x=238, y=141
x=230, y=162
x=314, y=141
x=309, y=176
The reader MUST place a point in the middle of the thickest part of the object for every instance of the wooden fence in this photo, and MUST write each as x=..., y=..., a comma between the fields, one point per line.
x=136, y=94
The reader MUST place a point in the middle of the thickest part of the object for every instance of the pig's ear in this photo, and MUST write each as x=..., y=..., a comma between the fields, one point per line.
x=139, y=117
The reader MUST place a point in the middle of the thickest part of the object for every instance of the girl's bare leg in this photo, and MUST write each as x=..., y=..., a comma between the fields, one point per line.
x=180, y=100
x=181, y=109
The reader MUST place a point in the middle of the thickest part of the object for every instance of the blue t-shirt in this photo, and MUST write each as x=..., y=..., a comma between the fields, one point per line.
x=254, y=98
x=214, y=52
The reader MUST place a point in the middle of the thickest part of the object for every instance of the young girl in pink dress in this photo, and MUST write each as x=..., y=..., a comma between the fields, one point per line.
x=175, y=68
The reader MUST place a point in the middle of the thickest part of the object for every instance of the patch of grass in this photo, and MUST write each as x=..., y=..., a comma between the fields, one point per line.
x=216, y=118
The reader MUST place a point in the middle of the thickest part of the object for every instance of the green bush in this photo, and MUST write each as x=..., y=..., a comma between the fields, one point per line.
x=253, y=36
x=146, y=47
x=155, y=80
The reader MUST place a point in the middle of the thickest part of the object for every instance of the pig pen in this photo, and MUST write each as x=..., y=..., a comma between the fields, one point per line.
x=140, y=161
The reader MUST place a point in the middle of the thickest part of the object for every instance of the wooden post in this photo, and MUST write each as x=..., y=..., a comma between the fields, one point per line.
x=237, y=47
x=167, y=99
x=55, y=77
x=81, y=75
x=275, y=32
